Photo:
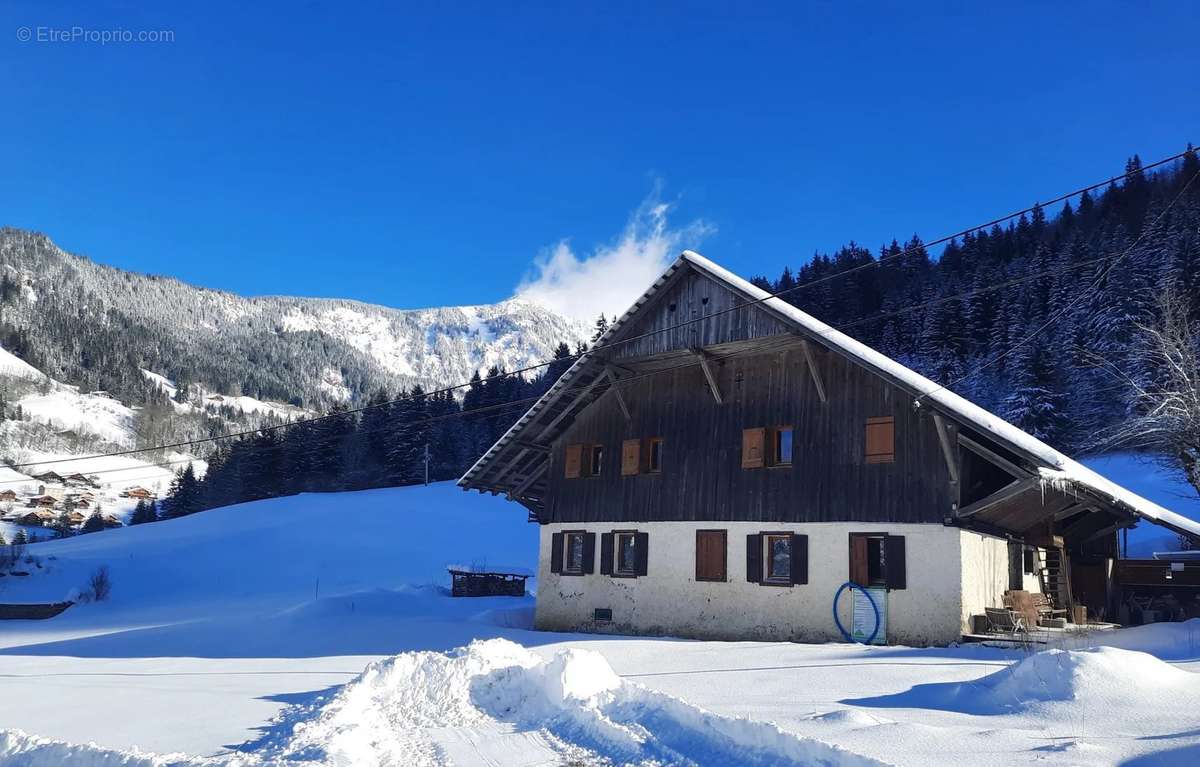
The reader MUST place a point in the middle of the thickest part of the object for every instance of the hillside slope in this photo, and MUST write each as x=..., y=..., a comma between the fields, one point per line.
x=97, y=327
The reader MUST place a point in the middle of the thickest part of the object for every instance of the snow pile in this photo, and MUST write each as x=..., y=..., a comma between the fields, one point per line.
x=396, y=711
x=1100, y=676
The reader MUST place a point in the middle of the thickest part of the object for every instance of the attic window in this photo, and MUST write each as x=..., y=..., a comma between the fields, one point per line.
x=671, y=307
x=654, y=456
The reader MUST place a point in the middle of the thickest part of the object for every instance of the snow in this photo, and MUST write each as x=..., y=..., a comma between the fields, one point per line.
x=12, y=365
x=164, y=383
x=65, y=409
x=317, y=629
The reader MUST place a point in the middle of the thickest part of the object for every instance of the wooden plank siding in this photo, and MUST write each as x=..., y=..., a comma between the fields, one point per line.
x=702, y=476
x=690, y=296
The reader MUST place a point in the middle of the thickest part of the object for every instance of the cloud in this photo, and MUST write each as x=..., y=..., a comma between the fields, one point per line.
x=612, y=276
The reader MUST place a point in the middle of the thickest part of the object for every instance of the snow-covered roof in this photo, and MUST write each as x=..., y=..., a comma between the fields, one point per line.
x=1055, y=468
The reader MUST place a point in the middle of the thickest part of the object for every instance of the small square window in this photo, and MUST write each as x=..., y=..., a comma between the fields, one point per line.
x=778, y=558
x=654, y=458
x=626, y=554
x=781, y=448
x=573, y=554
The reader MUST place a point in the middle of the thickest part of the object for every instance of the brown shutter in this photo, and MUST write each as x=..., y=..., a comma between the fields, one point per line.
x=573, y=461
x=556, y=553
x=631, y=456
x=606, y=553
x=893, y=559
x=710, y=555
x=641, y=553
x=881, y=440
x=858, y=560
x=754, y=558
x=589, y=553
x=752, y=448
x=799, y=559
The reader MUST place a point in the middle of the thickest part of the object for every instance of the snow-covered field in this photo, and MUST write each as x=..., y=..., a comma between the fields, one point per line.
x=318, y=630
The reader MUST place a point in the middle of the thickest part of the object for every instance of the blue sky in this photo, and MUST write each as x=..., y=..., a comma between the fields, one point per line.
x=415, y=155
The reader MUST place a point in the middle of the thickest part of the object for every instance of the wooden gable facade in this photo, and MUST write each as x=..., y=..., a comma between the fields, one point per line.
x=705, y=370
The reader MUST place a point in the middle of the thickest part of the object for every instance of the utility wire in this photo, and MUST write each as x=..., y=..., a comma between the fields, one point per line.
x=1055, y=316
x=494, y=408
x=599, y=347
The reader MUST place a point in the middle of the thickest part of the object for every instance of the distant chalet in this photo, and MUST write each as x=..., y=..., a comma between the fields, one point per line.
x=722, y=462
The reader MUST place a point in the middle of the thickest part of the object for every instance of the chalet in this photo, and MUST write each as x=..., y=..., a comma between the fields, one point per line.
x=138, y=492
x=43, y=501
x=7, y=496
x=37, y=517
x=75, y=518
x=49, y=477
x=80, y=480
x=721, y=463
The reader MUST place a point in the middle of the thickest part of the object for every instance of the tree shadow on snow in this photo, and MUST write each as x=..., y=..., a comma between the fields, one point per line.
x=1186, y=756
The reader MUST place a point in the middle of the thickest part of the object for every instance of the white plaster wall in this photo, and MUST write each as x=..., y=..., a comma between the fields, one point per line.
x=668, y=600
x=984, y=573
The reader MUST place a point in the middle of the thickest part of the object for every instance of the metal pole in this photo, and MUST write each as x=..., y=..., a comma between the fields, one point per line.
x=427, y=464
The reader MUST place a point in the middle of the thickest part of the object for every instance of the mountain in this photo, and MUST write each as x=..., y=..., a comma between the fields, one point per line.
x=207, y=357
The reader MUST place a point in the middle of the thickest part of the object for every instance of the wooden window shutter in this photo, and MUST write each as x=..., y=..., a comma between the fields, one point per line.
x=858, y=560
x=641, y=553
x=894, y=562
x=606, y=553
x=754, y=558
x=556, y=553
x=589, y=553
x=752, y=448
x=881, y=440
x=710, y=555
x=573, y=463
x=631, y=457
x=799, y=559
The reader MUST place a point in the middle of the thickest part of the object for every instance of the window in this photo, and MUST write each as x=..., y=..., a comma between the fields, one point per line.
x=878, y=559
x=781, y=447
x=767, y=447
x=624, y=553
x=573, y=561
x=778, y=558
x=595, y=460
x=626, y=545
x=655, y=455
x=880, y=442
x=710, y=555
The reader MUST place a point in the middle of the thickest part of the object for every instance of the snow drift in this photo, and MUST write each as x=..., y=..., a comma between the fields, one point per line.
x=396, y=714
x=391, y=714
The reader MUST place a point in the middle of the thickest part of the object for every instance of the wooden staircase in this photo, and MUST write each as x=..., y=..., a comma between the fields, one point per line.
x=1052, y=573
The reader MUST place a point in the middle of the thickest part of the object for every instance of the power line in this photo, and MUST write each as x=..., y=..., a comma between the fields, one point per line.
x=1054, y=317
x=494, y=408
x=603, y=346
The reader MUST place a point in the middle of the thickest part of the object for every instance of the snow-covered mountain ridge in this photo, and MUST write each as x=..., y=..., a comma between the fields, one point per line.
x=97, y=326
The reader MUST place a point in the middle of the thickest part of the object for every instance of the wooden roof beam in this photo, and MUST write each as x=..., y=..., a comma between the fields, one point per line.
x=947, y=446
x=709, y=376
x=811, y=363
x=610, y=372
x=1006, y=493
x=993, y=457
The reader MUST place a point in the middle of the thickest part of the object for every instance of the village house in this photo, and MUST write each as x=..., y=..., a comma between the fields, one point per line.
x=35, y=518
x=8, y=496
x=721, y=463
x=138, y=492
x=49, y=477
x=42, y=501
